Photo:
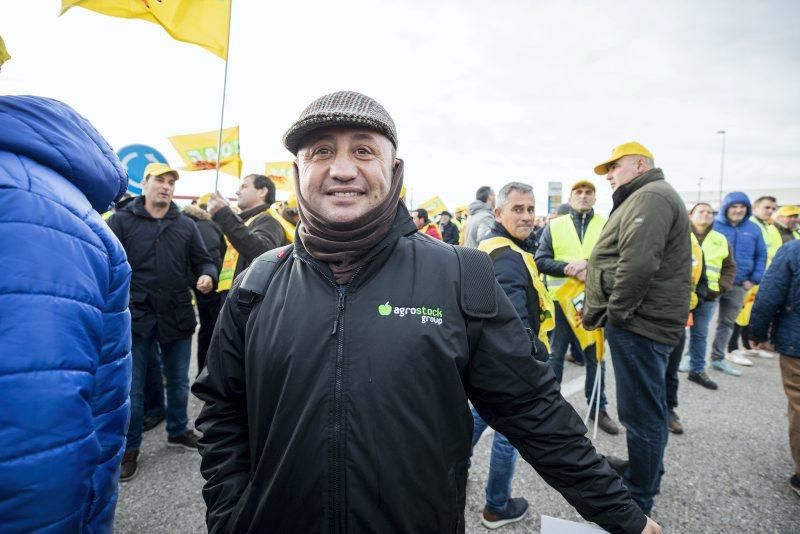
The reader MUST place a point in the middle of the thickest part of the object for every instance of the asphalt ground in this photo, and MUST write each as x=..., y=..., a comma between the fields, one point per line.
x=727, y=473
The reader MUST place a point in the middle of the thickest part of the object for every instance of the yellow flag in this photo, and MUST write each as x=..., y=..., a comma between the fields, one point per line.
x=4, y=56
x=434, y=206
x=202, y=22
x=571, y=298
x=199, y=151
x=282, y=174
x=743, y=319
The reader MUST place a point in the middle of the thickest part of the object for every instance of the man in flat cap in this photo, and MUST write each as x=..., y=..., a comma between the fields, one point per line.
x=638, y=284
x=337, y=384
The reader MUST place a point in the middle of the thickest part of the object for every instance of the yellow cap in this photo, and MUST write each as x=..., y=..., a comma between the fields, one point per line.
x=626, y=149
x=461, y=209
x=583, y=183
x=157, y=169
x=292, y=202
x=788, y=211
x=204, y=198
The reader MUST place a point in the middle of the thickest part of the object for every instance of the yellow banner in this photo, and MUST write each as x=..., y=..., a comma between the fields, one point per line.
x=199, y=151
x=434, y=206
x=743, y=319
x=201, y=22
x=4, y=55
x=571, y=297
x=282, y=174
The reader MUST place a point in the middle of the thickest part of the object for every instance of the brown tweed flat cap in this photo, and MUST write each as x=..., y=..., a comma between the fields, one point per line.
x=343, y=108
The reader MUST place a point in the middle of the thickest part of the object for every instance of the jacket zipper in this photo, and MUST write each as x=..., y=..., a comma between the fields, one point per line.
x=336, y=520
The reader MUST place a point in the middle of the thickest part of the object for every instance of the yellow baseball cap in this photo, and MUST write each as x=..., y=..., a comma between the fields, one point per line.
x=583, y=183
x=788, y=211
x=292, y=202
x=626, y=149
x=461, y=209
x=157, y=169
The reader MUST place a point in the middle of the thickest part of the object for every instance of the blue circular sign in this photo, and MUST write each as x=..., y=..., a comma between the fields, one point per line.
x=135, y=158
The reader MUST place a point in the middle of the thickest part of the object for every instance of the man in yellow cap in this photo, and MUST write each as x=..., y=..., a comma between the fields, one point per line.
x=786, y=222
x=638, y=284
x=564, y=246
x=162, y=245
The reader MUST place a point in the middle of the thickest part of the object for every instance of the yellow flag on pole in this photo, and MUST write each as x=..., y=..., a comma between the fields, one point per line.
x=282, y=174
x=201, y=22
x=434, y=206
x=571, y=297
x=199, y=151
x=4, y=55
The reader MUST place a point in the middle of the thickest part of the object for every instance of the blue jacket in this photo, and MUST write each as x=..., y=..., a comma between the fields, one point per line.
x=746, y=241
x=64, y=324
x=778, y=302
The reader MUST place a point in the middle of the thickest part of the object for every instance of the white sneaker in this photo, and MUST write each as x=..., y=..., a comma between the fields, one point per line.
x=764, y=354
x=738, y=358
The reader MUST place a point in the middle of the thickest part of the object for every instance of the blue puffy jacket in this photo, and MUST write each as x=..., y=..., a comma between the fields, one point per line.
x=778, y=302
x=64, y=324
x=746, y=241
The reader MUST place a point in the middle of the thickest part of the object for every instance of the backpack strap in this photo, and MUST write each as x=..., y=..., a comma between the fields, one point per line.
x=256, y=279
x=478, y=298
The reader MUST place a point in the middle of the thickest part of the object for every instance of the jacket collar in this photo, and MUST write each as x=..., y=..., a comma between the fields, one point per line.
x=623, y=192
x=136, y=206
x=247, y=214
x=498, y=230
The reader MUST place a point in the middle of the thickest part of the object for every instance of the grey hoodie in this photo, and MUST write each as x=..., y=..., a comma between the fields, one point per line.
x=479, y=223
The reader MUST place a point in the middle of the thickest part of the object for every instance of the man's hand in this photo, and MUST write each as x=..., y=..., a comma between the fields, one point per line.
x=205, y=284
x=574, y=268
x=763, y=345
x=215, y=203
x=747, y=284
x=582, y=276
x=651, y=527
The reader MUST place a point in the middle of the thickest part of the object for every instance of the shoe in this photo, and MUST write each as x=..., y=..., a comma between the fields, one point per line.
x=617, y=464
x=794, y=483
x=130, y=466
x=674, y=424
x=188, y=440
x=151, y=421
x=738, y=358
x=767, y=355
x=700, y=377
x=725, y=367
x=570, y=358
x=606, y=423
x=686, y=365
x=516, y=509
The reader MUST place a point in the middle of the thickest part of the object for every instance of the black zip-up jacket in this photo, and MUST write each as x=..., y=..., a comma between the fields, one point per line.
x=161, y=252
x=544, y=254
x=345, y=408
x=263, y=234
x=450, y=233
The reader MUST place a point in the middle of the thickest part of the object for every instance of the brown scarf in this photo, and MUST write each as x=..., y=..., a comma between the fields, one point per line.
x=344, y=246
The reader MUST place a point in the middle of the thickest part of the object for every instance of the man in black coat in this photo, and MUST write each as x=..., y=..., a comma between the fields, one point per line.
x=162, y=245
x=340, y=401
x=449, y=230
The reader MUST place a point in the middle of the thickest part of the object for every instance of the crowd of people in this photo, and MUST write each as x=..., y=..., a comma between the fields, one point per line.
x=345, y=381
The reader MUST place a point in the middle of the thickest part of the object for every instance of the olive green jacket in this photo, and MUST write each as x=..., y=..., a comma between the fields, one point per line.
x=639, y=274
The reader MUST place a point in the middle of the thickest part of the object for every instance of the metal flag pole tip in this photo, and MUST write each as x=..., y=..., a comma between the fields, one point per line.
x=224, y=92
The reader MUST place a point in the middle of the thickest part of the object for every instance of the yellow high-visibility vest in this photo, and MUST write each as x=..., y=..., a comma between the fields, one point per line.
x=697, y=269
x=546, y=311
x=567, y=246
x=231, y=257
x=771, y=235
x=288, y=228
x=715, y=250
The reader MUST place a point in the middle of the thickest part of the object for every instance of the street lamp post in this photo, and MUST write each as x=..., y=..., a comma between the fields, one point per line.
x=700, y=189
x=721, y=166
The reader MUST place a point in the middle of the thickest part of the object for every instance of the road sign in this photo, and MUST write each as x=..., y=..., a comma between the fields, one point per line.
x=553, y=196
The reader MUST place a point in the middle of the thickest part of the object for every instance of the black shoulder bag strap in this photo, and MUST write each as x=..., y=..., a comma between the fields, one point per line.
x=256, y=279
x=478, y=298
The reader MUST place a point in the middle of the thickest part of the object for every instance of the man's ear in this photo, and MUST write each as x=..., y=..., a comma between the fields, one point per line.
x=497, y=212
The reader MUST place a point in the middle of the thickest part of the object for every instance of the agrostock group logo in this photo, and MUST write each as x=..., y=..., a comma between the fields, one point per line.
x=426, y=315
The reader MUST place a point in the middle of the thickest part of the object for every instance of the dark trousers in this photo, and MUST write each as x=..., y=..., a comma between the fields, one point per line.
x=672, y=372
x=208, y=307
x=154, y=406
x=739, y=331
x=640, y=365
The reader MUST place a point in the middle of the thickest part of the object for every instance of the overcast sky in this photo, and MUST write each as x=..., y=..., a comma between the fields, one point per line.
x=481, y=92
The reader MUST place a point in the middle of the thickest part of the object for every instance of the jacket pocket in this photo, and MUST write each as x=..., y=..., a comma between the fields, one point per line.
x=606, y=282
x=138, y=306
x=184, y=312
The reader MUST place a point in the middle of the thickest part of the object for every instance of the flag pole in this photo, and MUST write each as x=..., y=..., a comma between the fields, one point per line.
x=224, y=91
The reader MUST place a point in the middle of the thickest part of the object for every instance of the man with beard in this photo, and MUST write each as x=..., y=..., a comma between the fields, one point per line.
x=360, y=422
